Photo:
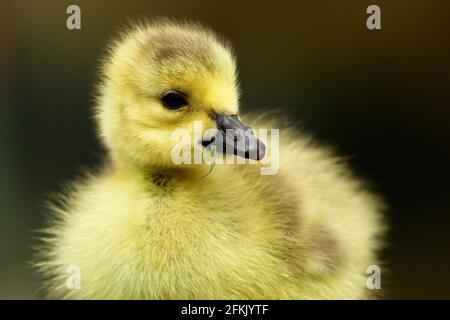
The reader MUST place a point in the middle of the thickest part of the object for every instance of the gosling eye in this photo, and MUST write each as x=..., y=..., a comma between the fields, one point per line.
x=174, y=100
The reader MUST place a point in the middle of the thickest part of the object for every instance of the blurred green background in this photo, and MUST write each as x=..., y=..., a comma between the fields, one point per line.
x=381, y=97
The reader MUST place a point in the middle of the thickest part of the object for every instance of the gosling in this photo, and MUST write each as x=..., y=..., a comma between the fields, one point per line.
x=145, y=227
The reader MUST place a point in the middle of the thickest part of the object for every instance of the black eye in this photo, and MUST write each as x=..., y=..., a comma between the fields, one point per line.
x=174, y=100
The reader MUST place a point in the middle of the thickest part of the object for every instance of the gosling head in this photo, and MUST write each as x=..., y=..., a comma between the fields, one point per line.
x=162, y=77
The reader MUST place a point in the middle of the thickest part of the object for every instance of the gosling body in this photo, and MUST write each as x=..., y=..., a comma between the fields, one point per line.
x=142, y=227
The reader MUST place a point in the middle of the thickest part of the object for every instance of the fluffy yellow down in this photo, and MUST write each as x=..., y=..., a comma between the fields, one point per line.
x=144, y=228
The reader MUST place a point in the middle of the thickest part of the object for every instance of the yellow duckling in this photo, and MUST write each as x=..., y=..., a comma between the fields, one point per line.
x=145, y=227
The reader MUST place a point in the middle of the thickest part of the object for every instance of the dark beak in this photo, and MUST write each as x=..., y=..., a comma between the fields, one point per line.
x=234, y=137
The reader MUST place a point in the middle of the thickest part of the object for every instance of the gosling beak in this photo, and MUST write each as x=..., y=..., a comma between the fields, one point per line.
x=236, y=138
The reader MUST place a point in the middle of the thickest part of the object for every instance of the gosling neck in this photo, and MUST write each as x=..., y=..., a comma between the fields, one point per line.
x=157, y=175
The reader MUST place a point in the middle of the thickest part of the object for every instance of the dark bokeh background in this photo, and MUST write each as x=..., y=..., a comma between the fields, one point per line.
x=381, y=97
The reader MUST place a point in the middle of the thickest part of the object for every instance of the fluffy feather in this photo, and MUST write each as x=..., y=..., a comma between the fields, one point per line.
x=144, y=228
